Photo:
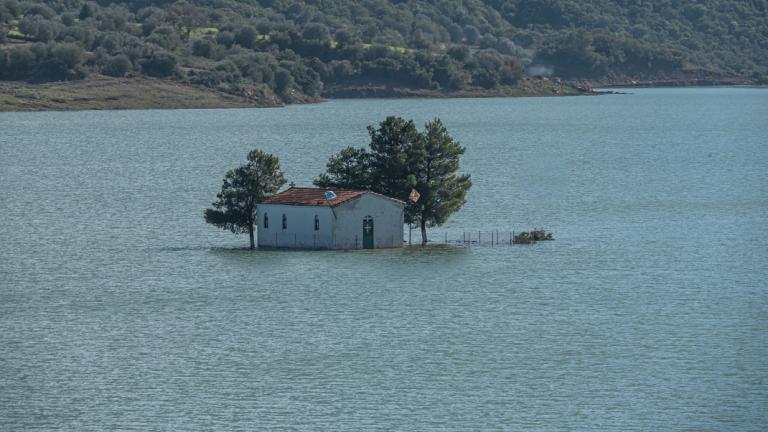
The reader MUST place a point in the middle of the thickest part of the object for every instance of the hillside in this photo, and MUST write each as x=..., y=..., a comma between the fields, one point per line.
x=286, y=51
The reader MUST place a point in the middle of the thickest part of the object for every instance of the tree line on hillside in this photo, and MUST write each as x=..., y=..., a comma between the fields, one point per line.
x=296, y=48
x=207, y=47
x=400, y=160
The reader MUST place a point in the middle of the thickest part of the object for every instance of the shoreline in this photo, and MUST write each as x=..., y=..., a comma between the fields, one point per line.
x=106, y=93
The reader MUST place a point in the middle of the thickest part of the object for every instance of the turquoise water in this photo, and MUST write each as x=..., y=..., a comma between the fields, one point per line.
x=121, y=309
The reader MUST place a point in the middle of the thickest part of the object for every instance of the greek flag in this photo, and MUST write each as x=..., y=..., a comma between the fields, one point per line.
x=329, y=195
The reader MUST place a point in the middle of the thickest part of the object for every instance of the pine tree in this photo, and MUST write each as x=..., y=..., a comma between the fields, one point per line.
x=349, y=169
x=243, y=188
x=401, y=159
x=442, y=191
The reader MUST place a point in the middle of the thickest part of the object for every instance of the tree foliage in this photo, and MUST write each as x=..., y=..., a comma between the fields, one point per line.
x=400, y=159
x=349, y=169
x=242, y=189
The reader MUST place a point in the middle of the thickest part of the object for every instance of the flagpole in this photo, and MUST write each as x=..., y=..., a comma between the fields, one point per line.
x=413, y=197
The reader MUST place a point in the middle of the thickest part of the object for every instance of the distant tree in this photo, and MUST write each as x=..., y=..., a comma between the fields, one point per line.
x=316, y=32
x=448, y=74
x=459, y=53
x=40, y=28
x=573, y=54
x=21, y=61
x=68, y=19
x=225, y=38
x=442, y=191
x=149, y=25
x=243, y=188
x=345, y=37
x=263, y=27
x=246, y=37
x=69, y=54
x=165, y=37
x=118, y=66
x=456, y=32
x=510, y=72
x=341, y=70
x=13, y=8
x=31, y=9
x=203, y=48
x=487, y=41
x=113, y=18
x=79, y=34
x=186, y=17
x=283, y=80
x=88, y=10
x=349, y=169
x=472, y=34
x=159, y=64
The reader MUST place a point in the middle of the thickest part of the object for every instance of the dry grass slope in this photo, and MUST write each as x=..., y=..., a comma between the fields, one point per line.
x=117, y=93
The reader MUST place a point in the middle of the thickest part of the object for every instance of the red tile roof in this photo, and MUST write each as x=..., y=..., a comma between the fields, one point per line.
x=311, y=197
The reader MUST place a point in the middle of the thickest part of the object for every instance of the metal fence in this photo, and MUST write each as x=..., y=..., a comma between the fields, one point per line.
x=496, y=238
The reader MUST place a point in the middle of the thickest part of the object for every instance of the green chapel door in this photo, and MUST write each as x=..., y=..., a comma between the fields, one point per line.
x=368, y=232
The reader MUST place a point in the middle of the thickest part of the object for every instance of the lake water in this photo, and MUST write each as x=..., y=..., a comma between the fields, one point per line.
x=121, y=309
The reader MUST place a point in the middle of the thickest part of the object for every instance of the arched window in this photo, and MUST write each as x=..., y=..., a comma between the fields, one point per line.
x=285, y=221
x=266, y=220
x=317, y=223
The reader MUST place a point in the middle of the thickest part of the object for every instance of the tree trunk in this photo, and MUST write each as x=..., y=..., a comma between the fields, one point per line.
x=423, y=232
x=250, y=235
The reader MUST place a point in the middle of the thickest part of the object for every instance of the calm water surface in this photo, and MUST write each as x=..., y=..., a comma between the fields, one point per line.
x=121, y=309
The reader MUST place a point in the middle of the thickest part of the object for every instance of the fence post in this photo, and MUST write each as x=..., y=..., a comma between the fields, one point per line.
x=410, y=231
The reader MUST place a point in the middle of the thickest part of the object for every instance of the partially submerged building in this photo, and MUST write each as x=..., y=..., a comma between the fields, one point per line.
x=312, y=218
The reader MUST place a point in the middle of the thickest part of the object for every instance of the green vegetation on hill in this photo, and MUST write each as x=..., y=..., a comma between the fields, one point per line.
x=298, y=50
